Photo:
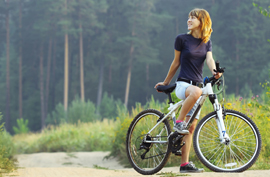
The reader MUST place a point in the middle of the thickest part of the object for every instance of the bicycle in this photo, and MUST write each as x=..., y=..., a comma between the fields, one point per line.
x=224, y=140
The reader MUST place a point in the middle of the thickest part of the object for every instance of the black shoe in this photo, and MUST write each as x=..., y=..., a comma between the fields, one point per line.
x=190, y=168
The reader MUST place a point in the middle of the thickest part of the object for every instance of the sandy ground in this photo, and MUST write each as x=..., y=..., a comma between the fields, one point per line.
x=84, y=164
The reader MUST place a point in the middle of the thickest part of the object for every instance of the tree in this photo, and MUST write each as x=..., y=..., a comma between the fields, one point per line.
x=263, y=11
x=135, y=39
x=66, y=65
x=20, y=61
x=241, y=35
x=7, y=70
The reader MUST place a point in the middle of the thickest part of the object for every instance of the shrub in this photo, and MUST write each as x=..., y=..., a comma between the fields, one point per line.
x=81, y=111
x=7, y=150
x=108, y=107
x=91, y=136
x=22, y=126
x=257, y=111
x=78, y=111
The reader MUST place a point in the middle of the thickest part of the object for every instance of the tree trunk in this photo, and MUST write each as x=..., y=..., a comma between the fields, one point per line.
x=20, y=62
x=41, y=88
x=53, y=76
x=81, y=64
x=66, y=69
x=110, y=79
x=48, y=76
x=81, y=56
x=131, y=51
x=237, y=78
x=100, y=85
x=66, y=74
x=147, y=73
x=7, y=124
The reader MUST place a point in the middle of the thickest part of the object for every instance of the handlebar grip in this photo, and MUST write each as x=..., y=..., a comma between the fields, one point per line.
x=217, y=65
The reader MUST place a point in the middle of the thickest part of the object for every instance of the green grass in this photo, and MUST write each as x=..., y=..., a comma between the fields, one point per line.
x=171, y=174
x=96, y=136
x=110, y=135
x=71, y=155
x=253, y=107
x=67, y=163
x=99, y=167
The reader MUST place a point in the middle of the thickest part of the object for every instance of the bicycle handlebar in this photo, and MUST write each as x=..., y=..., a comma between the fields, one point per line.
x=219, y=69
x=213, y=79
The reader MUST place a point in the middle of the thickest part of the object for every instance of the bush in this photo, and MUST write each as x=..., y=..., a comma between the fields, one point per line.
x=257, y=111
x=7, y=150
x=108, y=107
x=22, y=126
x=92, y=136
x=78, y=111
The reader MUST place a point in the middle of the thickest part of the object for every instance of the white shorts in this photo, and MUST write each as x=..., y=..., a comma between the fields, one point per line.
x=180, y=92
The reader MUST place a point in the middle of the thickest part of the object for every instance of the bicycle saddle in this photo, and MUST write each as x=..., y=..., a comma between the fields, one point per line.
x=166, y=88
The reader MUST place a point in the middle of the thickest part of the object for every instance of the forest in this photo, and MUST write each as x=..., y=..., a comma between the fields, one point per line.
x=78, y=60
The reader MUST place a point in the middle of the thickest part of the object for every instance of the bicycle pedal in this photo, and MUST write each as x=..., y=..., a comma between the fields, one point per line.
x=178, y=153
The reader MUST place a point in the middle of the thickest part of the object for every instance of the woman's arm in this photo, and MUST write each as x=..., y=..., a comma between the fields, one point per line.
x=173, y=68
x=211, y=64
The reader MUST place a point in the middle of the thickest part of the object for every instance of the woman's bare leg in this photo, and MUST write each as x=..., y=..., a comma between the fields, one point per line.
x=192, y=95
x=188, y=141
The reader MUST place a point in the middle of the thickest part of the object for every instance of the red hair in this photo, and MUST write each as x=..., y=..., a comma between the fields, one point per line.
x=206, y=23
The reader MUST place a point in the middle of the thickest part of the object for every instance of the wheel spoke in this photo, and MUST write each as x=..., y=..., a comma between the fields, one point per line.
x=241, y=151
x=157, y=153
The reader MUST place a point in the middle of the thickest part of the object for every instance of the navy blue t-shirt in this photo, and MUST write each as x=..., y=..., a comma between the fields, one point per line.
x=193, y=54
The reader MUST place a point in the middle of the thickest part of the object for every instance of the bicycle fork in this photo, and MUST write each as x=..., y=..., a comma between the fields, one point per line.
x=223, y=136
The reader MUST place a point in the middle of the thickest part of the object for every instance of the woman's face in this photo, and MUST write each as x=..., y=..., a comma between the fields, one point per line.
x=193, y=23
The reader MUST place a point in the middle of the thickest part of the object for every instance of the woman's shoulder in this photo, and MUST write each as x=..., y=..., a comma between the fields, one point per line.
x=183, y=35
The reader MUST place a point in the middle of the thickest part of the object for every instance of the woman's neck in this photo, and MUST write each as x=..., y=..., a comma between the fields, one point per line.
x=196, y=33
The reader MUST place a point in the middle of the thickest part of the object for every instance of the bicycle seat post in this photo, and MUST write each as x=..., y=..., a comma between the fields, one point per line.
x=170, y=98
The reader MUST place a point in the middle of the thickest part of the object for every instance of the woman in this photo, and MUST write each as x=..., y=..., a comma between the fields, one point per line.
x=191, y=50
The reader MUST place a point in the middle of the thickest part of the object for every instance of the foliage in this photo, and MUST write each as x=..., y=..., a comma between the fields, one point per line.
x=78, y=111
x=108, y=106
x=259, y=113
x=252, y=107
x=110, y=135
x=92, y=136
x=7, y=151
x=22, y=126
x=81, y=111
x=265, y=12
x=109, y=30
x=171, y=174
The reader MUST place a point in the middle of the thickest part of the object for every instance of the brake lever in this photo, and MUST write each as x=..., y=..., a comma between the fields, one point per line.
x=220, y=70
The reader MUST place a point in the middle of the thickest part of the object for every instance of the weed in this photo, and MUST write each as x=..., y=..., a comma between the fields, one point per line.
x=71, y=155
x=67, y=163
x=99, y=167
x=171, y=174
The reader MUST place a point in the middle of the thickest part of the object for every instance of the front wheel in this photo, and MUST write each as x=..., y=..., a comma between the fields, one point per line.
x=236, y=156
x=148, y=152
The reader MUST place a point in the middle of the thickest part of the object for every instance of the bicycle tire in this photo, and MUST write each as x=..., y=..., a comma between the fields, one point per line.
x=138, y=128
x=242, y=151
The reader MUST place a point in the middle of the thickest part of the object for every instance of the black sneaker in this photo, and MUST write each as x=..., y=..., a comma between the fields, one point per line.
x=190, y=168
x=181, y=128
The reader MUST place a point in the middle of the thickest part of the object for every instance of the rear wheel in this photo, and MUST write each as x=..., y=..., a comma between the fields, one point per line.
x=148, y=157
x=237, y=155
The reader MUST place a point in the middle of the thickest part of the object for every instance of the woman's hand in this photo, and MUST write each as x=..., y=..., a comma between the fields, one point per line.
x=160, y=83
x=217, y=75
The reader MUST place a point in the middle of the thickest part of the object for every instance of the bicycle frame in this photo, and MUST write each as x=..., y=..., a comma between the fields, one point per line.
x=207, y=91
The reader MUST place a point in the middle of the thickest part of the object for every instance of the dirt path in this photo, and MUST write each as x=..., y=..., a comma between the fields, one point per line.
x=89, y=164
